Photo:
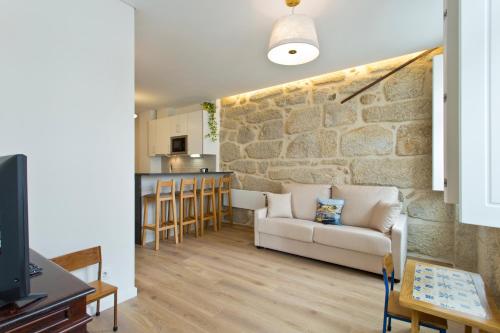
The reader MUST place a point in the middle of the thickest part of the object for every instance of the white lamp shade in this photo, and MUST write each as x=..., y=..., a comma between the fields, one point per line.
x=293, y=41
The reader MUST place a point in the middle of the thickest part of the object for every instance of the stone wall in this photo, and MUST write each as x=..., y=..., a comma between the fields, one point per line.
x=300, y=132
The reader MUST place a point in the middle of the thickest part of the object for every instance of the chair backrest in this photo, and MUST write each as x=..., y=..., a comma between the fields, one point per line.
x=164, y=184
x=188, y=182
x=81, y=259
x=225, y=184
x=207, y=186
x=388, y=270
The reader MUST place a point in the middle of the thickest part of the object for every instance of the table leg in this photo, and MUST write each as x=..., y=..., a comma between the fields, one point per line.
x=468, y=329
x=415, y=322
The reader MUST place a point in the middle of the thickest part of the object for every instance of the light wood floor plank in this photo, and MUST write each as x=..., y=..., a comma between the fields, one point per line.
x=222, y=283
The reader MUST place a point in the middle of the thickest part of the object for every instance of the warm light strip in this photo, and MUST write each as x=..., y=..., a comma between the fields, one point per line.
x=380, y=64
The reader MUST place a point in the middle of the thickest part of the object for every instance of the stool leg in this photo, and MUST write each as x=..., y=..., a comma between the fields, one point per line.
x=157, y=226
x=230, y=206
x=174, y=215
x=220, y=208
x=145, y=205
x=195, y=214
x=202, y=222
x=214, y=209
x=163, y=219
x=115, y=312
x=168, y=217
x=181, y=219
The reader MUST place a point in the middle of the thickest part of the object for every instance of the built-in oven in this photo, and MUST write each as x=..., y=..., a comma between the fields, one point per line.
x=178, y=145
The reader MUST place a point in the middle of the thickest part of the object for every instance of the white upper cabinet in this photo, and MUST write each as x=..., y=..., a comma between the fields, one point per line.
x=179, y=124
x=478, y=100
x=152, y=138
x=193, y=124
x=163, y=133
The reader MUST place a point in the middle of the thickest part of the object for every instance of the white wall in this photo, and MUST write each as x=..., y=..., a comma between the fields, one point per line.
x=67, y=102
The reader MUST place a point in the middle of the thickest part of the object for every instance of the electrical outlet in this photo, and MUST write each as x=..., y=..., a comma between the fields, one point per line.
x=105, y=274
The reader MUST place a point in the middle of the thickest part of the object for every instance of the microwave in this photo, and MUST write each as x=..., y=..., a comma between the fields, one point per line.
x=178, y=145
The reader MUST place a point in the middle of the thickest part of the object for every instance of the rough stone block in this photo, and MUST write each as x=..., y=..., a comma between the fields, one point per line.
x=431, y=206
x=229, y=123
x=337, y=114
x=414, y=139
x=410, y=172
x=261, y=116
x=264, y=149
x=332, y=175
x=230, y=151
x=405, y=84
x=271, y=130
x=245, y=135
x=368, y=140
x=253, y=183
x=417, y=109
x=245, y=166
x=430, y=238
x=240, y=110
x=266, y=93
x=303, y=120
x=298, y=97
x=321, y=96
x=368, y=99
x=304, y=146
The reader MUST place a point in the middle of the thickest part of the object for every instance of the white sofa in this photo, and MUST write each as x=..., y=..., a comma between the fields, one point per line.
x=352, y=244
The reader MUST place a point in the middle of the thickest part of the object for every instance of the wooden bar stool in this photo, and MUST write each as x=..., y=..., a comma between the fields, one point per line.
x=161, y=223
x=225, y=189
x=190, y=216
x=207, y=191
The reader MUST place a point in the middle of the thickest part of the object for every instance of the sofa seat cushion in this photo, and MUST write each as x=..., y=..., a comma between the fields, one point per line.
x=352, y=238
x=296, y=229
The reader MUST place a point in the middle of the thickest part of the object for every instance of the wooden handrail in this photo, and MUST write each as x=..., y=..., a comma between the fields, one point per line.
x=397, y=69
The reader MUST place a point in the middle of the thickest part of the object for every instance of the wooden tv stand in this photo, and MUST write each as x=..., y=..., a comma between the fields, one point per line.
x=63, y=310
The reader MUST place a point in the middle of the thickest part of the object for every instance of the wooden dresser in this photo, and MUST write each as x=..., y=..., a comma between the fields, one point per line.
x=63, y=310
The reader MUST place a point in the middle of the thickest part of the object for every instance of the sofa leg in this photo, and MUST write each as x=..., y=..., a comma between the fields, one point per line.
x=258, y=247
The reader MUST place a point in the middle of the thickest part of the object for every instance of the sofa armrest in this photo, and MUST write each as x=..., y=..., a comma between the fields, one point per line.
x=258, y=216
x=399, y=245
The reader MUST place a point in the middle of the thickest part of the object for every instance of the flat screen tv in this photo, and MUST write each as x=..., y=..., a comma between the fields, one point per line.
x=14, y=242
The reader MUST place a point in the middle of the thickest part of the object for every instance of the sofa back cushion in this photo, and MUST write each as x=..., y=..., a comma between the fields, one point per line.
x=359, y=202
x=305, y=197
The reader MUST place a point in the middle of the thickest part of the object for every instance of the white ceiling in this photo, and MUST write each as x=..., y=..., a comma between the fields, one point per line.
x=188, y=51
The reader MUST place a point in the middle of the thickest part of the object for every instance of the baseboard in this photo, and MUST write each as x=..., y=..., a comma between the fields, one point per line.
x=107, y=302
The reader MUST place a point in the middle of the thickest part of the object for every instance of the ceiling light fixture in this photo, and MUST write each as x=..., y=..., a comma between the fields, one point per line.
x=293, y=40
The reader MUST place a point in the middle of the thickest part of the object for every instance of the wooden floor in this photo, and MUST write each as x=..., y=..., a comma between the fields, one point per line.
x=222, y=283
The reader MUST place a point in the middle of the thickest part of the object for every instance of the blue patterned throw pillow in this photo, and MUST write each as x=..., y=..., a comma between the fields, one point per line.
x=328, y=211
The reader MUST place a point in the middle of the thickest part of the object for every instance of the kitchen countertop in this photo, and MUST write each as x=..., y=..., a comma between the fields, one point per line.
x=180, y=173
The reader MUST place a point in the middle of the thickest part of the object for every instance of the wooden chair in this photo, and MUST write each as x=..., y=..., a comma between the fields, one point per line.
x=207, y=191
x=85, y=258
x=225, y=189
x=394, y=310
x=161, y=200
x=189, y=217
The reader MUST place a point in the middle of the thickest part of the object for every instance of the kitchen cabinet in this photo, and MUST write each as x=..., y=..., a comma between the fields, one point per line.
x=163, y=133
x=152, y=138
x=193, y=124
x=195, y=132
x=179, y=124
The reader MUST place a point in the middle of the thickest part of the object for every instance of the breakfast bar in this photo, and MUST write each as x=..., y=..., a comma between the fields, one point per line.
x=145, y=183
